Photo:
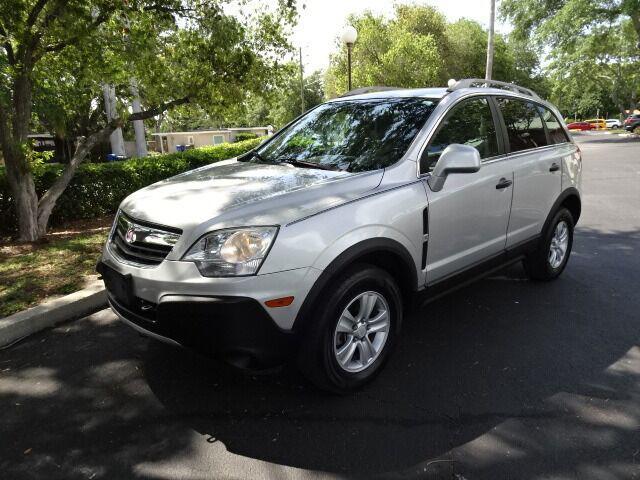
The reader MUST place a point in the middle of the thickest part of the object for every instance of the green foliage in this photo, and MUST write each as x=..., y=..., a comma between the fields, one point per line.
x=242, y=136
x=279, y=101
x=172, y=48
x=418, y=48
x=592, y=48
x=98, y=188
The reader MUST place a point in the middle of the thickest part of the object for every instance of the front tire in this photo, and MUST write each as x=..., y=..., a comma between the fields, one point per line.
x=552, y=255
x=353, y=330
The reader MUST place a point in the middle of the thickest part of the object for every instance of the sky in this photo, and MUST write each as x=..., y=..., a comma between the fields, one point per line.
x=322, y=21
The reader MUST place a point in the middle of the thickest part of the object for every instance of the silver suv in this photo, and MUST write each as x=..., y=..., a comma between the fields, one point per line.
x=315, y=244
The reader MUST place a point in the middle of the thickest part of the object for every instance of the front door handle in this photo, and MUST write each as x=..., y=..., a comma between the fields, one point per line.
x=554, y=167
x=503, y=183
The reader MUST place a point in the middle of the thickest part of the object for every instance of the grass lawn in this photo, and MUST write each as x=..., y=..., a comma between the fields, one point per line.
x=63, y=263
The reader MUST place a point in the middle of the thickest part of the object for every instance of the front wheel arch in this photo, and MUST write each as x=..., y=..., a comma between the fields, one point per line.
x=384, y=253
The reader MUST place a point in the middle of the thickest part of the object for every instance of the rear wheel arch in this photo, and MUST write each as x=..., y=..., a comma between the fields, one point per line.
x=569, y=199
x=383, y=253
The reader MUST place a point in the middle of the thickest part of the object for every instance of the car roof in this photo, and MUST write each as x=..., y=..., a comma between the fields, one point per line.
x=396, y=93
x=435, y=93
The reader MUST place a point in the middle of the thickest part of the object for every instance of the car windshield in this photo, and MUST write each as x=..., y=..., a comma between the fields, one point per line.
x=350, y=135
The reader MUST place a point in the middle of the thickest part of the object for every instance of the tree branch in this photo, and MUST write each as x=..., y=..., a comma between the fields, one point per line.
x=34, y=13
x=62, y=44
x=84, y=147
x=48, y=200
x=152, y=112
x=11, y=58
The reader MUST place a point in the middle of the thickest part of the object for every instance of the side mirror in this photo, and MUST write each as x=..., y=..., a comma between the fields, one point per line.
x=455, y=158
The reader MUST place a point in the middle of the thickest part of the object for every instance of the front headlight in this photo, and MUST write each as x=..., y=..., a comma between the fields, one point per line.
x=232, y=252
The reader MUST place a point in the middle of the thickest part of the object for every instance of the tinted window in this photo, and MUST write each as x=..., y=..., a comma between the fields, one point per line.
x=351, y=135
x=469, y=123
x=555, y=130
x=524, y=124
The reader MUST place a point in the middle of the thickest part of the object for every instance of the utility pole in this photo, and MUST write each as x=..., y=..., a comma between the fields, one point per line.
x=301, y=83
x=492, y=21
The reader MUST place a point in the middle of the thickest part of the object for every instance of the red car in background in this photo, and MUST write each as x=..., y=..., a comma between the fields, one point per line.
x=581, y=126
x=632, y=123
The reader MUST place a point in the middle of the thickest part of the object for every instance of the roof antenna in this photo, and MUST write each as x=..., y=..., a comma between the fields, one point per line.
x=451, y=83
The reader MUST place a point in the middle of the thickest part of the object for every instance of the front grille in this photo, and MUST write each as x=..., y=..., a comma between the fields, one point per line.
x=141, y=243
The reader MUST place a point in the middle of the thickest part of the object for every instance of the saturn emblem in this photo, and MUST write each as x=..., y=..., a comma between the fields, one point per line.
x=130, y=236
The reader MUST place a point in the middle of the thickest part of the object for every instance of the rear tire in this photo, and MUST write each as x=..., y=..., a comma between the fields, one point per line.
x=353, y=330
x=552, y=255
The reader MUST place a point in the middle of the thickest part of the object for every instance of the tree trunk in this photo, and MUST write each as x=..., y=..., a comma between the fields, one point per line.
x=49, y=199
x=14, y=135
x=138, y=125
x=110, y=105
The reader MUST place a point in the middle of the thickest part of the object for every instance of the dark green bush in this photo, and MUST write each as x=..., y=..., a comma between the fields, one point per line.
x=98, y=188
x=243, y=136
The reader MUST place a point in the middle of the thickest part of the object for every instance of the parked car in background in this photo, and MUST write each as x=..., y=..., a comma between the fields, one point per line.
x=632, y=123
x=598, y=123
x=315, y=244
x=613, y=123
x=581, y=126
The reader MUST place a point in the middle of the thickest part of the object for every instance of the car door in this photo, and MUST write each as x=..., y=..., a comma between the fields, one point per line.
x=468, y=217
x=536, y=161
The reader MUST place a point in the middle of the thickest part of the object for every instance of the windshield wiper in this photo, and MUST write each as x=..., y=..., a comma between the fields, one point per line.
x=260, y=157
x=303, y=164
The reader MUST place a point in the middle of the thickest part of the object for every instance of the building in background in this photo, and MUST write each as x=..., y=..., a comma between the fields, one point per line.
x=173, y=141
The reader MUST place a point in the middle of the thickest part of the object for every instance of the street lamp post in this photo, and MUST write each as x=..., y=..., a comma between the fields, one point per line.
x=348, y=37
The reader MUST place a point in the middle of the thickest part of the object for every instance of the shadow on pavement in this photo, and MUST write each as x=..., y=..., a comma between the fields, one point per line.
x=465, y=363
x=93, y=398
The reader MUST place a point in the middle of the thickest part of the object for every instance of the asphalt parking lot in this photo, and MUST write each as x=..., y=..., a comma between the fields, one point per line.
x=505, y=379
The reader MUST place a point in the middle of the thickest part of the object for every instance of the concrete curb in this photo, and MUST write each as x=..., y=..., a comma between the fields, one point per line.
x=70, y=307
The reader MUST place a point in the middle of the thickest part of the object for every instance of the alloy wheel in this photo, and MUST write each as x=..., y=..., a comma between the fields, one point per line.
x=361, y=332
x=559, y=244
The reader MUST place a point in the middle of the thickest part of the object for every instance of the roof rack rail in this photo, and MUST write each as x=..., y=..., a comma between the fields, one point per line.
x=360, y=91
x=480, y=82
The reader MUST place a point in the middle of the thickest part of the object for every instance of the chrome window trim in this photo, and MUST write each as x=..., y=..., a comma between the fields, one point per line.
x=503, y=156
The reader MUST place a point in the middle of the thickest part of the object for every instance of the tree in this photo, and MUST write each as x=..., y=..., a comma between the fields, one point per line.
x=418, y=48
x=56, y=54
x=593, y=50
x=278, y=102
x=404, y=51
x=559, y=23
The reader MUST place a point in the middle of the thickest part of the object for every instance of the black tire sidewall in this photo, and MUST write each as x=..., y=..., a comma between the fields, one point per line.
x=356, y=281
x=546, y=271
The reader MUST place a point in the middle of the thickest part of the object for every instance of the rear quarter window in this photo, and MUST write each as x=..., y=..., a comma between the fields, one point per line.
x=554, y=128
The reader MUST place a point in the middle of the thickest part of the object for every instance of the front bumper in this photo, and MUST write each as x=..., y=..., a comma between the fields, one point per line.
x=235, y=329
x=183, y=278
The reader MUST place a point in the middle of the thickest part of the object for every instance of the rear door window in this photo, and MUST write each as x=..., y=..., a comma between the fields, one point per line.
x=525, y=129
x=555, y=130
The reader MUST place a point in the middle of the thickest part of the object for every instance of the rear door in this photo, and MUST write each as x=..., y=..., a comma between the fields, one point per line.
x=536, y=161
x=468, y=217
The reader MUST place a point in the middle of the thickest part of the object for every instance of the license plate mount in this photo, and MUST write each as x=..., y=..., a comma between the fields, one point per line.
x=119, y=286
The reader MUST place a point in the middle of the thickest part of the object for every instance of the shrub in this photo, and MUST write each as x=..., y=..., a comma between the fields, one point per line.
x=98, y=188
x=242, y=136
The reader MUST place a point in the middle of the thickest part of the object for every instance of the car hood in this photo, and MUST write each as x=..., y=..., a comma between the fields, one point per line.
x=232, y=190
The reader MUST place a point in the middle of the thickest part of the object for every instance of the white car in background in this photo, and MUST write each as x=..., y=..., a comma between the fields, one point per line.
x=613, y=123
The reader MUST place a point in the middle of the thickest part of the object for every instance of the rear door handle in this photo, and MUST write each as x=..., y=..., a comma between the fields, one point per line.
x=554, y=167
x=503, y=183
